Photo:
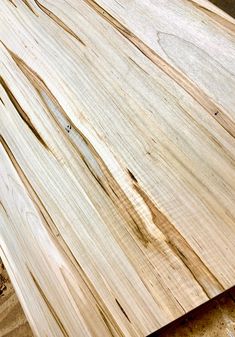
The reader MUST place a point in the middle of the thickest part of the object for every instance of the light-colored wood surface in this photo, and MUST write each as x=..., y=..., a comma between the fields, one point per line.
x=214, y=319
x=191, y=40
x=117, y=180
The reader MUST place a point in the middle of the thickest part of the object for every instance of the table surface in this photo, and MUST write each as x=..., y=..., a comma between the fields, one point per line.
x=113, y=161
x=215, y=319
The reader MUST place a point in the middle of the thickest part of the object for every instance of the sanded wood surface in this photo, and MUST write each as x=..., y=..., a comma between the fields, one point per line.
x=215, y=318
x=117, y=166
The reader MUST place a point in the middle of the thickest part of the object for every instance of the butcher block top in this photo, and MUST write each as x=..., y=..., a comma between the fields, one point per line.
x=117, y=154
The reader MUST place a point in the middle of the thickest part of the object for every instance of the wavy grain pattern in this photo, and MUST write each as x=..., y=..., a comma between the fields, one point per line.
x=116, y=162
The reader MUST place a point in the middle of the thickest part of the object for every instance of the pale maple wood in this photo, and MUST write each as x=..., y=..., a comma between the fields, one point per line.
x=193, y=37
x=117, y=173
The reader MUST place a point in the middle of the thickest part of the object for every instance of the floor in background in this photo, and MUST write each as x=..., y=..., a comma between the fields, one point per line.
x=214, y=319
x=13, y=322
x=227, y=5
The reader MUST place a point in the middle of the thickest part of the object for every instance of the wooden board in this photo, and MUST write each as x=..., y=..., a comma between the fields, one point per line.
x=214, y=318
x=192, y=41
x=117, y=172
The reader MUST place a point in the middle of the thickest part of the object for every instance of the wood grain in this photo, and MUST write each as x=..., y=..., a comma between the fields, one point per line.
x=117, y=168
x=215, y=318
x=189, y=53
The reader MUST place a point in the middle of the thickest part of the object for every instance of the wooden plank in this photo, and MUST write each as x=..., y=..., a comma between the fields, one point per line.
x=192, y=41
x=48, y=285
x=214, y=317
x=124, y=171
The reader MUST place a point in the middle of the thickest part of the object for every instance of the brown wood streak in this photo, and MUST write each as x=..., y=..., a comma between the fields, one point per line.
x=53, y=230
x=21, y=112
x=216, y=112
x=58, y=21
x=215, y=16
x=50, y=307
x=30, y=7
x=137, y=65
x=100, y=307
x=34, y=197
x=12, y=2
x=20, y=172
x=122, y=310
x=1, y=204
x=109, y=184
x=109, y=326
x=178, y=244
